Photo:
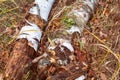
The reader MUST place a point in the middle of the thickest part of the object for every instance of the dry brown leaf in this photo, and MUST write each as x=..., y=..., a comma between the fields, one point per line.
x=103, y=76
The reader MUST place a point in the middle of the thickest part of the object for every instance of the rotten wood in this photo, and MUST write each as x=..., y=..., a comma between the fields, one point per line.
x=59, y=63
x=60, y=56
x=18, y=64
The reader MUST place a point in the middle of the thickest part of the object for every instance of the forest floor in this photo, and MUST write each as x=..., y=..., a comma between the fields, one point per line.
x=100, y=39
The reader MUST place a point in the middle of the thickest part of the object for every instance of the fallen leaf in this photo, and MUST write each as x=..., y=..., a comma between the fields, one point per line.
x=103, y=76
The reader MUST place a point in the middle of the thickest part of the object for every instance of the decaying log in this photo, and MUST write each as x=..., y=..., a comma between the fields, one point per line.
x=18, y=64
x=58, y=60
x=63, y=47
x=26, y=44
x=60, y=38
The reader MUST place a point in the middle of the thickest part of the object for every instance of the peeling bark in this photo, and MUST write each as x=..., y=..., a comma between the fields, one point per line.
x=61, y=46
x=61, y=37
x=26, y=44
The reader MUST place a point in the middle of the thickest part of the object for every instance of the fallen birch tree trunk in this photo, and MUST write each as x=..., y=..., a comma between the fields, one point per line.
x=64, y=45
x=61, y=49
x=26, y=44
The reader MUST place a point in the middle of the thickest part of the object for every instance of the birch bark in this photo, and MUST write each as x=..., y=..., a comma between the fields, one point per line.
x=80, y=12
x=27, y=41
x=61, y=42
x=26, y=44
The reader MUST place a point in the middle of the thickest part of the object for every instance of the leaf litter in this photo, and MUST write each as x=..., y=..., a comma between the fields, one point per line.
x=104, y=24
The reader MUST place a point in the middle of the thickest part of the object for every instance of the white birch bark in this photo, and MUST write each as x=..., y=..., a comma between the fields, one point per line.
x=32, y=32
x=42, y=8
x=80, y=78
x=81, y=14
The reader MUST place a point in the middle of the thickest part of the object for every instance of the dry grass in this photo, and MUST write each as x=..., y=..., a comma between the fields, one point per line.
x=104, y=41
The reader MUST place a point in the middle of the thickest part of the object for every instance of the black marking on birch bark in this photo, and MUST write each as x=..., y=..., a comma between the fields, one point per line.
x=24, y=33
x=36, y=40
